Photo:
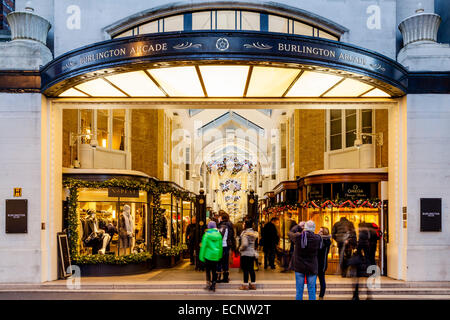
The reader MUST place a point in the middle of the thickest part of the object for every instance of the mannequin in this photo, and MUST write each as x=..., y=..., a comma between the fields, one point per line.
x=126, y=231
x=94, y=236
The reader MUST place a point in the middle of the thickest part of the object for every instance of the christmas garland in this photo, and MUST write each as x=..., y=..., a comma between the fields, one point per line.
x=151, y=187
x=326, y=203
x=113, y=259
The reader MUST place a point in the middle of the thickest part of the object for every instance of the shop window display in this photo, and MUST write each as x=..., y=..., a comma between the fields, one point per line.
x=173, y=223
x=111, y=225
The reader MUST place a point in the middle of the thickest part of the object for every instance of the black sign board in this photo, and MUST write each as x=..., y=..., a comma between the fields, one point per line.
x=314, y=192
x=123, y=193
x=352, y=190
x=16, y=216
x=64, y=254
x=430, y=214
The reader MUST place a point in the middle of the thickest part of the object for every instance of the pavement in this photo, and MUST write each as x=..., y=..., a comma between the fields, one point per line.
x=184, y=283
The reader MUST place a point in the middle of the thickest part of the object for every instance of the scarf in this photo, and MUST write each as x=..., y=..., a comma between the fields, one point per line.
x=304, y=240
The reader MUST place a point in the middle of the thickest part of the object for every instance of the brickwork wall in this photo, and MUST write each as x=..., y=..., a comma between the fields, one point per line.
x=147, y=142
x=310, y=140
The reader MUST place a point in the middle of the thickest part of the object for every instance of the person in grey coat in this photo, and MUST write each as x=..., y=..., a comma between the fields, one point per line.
x=248, y=253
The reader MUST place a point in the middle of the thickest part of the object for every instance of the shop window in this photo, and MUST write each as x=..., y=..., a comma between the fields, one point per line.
x=350, y=128
x=118, y=129
x=173, y=225
x=335, y=129
x=344, y=126
x=102, y=128
x=111, y=225
x=86, y=125
x=291, y=140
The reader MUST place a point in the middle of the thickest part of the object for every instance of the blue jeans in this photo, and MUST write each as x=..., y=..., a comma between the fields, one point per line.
x=300, y=283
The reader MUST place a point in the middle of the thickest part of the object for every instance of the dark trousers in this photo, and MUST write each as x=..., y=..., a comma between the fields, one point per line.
x=372, y=251
x=247, y=265
x=211, y=271
x=224, y=263
x=323, y=285
x=269, y=257
x=345, y=252
x=192, y=253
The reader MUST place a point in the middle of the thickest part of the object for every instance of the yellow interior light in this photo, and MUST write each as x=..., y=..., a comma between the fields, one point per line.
x=178, y=81
x=99, y=88
x=136, y=84
x=224, y=81
x=376, y=93
x=312, y=84
x=348, y=88
x=104, y=143
x=72, y=93
x=270, y=82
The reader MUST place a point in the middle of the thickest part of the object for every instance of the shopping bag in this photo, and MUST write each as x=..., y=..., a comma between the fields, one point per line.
x=236, y=261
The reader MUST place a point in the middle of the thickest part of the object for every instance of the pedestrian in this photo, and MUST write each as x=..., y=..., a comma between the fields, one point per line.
x=304, y=262
x=375, y=235
x=322, y=259
x=191, y=239
x=359, y=261
x=343, y=232
x=247, y=249
x=270, y=240
x=290, y=223
x=228, y=243
x=211, y=253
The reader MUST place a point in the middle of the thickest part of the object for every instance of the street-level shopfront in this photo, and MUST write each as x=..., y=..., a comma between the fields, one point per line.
x=123, y=223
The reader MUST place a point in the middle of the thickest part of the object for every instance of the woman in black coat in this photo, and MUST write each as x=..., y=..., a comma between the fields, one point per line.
x=322, y=259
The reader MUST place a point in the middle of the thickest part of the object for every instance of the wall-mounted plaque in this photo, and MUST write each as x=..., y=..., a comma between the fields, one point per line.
x=16, y=216
x=430, y=214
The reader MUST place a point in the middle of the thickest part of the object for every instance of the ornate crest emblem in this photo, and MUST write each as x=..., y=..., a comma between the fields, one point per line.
x=222, y=44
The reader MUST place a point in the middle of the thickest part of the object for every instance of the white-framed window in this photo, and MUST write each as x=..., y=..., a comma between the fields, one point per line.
x=283, y=145
x=292, y=140
x=110, y=126
x=342, y=125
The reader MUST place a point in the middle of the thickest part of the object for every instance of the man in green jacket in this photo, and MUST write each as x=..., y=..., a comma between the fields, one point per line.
x=211, y=253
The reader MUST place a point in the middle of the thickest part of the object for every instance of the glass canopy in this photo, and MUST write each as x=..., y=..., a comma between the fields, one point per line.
x=227, y=81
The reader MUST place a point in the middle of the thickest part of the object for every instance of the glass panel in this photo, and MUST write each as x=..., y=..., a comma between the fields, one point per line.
x=175, y=23
x=201, y=20
x=348, y=88
x=376, y=93
x=187, y=216
x=136, y=242
x=136, y=84
x=291, y=140
x=72, y=93
x=124, y=34
x=262, y=84
x=278, y=24
x=350, y=127
x=118, y=138
x=224, y=81
x=102, y=128
x=226, y=20
x=99, y=88
x=283, y=145
x=336, y=142
x=179, y=81
x=250, y=21
x=86, y=125
x=335, y=114
x=302, y=29
x=335, y=126
x=366, y=116
x=151, y=27
x=326, y=35
x=313, y=84
x=167, y=230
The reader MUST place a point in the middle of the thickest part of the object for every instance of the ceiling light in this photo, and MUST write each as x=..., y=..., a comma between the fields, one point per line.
x=224, y=81
x=270, y=82
x=312, y=84
x=348, y=88
x=376, y=93
x=99, y=88
x=178, y=81
x=72, y=93
x=136, y=84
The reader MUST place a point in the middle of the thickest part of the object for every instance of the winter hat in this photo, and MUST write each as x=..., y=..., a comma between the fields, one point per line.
x=302, y=224
x=212, y=225
x=310, y=226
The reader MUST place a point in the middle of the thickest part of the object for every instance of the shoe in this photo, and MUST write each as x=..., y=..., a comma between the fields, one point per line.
x=320, y=298
x=208, y=286
x=225, y=277
x=101, y=251
x=252, y=286
x=213, y=287
x=243, y=287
